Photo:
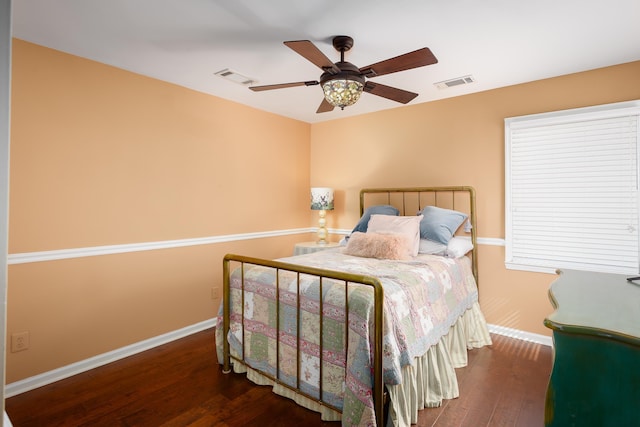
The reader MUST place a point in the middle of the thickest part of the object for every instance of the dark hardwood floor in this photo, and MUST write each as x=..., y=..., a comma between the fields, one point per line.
x=180, y=384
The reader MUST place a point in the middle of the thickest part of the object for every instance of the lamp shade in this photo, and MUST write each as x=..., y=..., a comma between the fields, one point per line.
x=322, y=199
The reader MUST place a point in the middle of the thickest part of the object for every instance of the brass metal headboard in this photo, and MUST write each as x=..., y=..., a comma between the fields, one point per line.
x=411, y=199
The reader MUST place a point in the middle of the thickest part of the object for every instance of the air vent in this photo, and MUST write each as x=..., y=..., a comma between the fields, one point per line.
x=235, y=77
x=465, y=80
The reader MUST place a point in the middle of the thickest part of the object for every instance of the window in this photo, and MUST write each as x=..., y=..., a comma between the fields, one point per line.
x=572, y=190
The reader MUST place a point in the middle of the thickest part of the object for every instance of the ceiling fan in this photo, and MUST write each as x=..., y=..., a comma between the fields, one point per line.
x=343, y=82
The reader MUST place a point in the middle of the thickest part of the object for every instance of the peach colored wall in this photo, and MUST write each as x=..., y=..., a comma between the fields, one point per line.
x=102, y=156
x=460, y=141
x=78, y=308
x=114, y=157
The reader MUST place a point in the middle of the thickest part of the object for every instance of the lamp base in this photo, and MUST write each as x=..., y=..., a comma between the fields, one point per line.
x=322, y=230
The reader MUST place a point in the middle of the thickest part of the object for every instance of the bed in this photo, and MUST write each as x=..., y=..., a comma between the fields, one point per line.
x=371, y=332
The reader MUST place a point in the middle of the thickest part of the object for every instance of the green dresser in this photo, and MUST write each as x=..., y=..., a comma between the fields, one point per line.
x=595, y=380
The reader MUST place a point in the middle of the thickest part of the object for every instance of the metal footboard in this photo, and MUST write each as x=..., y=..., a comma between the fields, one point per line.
x=348, y=279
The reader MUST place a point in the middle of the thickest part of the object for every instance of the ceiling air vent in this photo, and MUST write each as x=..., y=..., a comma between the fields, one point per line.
x=235, y=77
x=465, y=80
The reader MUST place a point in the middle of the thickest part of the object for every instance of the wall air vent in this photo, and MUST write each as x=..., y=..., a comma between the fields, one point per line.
x=235, y=77
x=465, y=80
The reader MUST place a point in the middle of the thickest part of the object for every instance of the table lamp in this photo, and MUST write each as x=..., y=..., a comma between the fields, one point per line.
x=322, y=200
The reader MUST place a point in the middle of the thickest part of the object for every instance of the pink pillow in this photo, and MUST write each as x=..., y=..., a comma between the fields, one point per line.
x=377, y=245
x=408, y=226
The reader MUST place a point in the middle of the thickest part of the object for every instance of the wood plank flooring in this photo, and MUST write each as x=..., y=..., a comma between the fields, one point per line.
x=181, y=384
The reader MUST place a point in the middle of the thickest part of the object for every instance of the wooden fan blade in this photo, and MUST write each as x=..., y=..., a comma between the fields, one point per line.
x=389, y=92
x=415, y=59
x=283, y=85
x=324, y=107
x=314, y=55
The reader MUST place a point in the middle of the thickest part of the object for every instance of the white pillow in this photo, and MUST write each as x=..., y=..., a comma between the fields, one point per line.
x=408, y=226
x=432, y=248
x=458, y=247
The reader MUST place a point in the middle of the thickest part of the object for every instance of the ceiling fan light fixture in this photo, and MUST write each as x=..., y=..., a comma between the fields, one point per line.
x=342, y=92
x=342, y=83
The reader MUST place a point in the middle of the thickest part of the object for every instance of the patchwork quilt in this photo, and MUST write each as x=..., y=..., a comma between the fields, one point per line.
x=423, y=298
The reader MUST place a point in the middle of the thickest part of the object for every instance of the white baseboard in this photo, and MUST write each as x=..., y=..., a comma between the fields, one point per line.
x=102, y=359
x=521, y=335
x=6, y=420
x=46, y=378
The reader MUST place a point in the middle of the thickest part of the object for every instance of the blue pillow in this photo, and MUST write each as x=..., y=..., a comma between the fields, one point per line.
x=374, y=210
x=440, y=224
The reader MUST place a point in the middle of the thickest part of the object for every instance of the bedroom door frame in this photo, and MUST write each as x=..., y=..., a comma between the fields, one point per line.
x=5, y=108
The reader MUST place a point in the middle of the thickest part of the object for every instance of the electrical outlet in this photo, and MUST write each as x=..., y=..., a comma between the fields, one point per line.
x=215, y=293
x=19, y=341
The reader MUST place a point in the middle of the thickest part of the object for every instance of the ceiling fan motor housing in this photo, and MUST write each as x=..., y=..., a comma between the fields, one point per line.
x=348, y=71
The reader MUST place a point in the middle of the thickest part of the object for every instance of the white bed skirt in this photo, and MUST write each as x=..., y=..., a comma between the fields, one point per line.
x=425, y=384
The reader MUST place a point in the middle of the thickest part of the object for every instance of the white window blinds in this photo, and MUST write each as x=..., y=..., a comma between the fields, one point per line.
x=572, y=190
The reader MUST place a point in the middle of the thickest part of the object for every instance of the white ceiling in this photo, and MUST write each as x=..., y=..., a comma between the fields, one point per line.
x=498, y=42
